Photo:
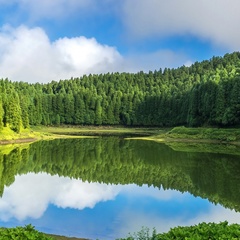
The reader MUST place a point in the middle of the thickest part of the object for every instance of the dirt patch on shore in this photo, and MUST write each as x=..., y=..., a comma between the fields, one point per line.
x=21, y=140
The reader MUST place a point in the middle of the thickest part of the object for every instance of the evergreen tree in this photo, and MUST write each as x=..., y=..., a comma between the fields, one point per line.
x=1, y=114
x=98, y=119
x=12, y=112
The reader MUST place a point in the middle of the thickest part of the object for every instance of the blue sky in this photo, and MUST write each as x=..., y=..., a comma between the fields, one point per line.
x=47, y=40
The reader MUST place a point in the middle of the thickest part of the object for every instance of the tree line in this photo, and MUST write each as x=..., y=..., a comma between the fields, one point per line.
x=206, y=93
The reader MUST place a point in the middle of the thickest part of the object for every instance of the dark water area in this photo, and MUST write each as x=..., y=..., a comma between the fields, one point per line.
x=106, y=134
x=104, y=188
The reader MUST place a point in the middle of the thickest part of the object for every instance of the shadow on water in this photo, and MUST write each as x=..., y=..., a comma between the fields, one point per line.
x=106, y=134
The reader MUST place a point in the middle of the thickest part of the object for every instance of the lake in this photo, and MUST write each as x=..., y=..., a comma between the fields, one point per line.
x=107, y=187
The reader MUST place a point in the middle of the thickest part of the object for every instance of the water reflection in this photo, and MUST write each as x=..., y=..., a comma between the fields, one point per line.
x=30, y=195
x=72, y=207
x=91, y=187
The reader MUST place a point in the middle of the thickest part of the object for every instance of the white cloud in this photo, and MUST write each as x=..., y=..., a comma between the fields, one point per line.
x=28, y=55
x=79, y=195
x=215, y=20
x=30, y=195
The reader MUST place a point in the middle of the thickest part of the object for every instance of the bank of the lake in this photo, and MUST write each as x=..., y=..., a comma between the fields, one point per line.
x=7, y=136
x=198, y=135
x=176, y=134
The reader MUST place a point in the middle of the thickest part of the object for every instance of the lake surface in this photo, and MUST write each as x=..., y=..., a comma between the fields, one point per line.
x=107, y=187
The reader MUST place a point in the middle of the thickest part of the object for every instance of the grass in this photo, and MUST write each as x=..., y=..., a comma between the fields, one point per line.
x=8, y=137
x=200, y=135
x=94, y=129
x=6, y=134
x=219, y=134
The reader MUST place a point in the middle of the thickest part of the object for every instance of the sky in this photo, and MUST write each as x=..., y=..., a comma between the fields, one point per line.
x=41, y=41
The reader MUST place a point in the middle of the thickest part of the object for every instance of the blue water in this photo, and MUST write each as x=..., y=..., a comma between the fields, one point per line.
x=71, y=207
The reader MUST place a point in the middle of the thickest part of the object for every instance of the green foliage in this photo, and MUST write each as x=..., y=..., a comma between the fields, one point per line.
x=1, y=115
x=202, y=231
x=12, y=111
x=220, y=134
x=19, y=233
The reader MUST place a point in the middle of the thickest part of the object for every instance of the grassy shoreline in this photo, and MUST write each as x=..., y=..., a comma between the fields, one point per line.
x=176, y=134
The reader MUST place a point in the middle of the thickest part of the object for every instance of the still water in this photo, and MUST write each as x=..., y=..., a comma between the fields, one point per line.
x=104, y=188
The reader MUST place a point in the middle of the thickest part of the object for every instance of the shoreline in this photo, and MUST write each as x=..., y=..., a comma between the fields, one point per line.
x=151, y=134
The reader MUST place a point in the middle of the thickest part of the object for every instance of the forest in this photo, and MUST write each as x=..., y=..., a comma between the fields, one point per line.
x=205, y=94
